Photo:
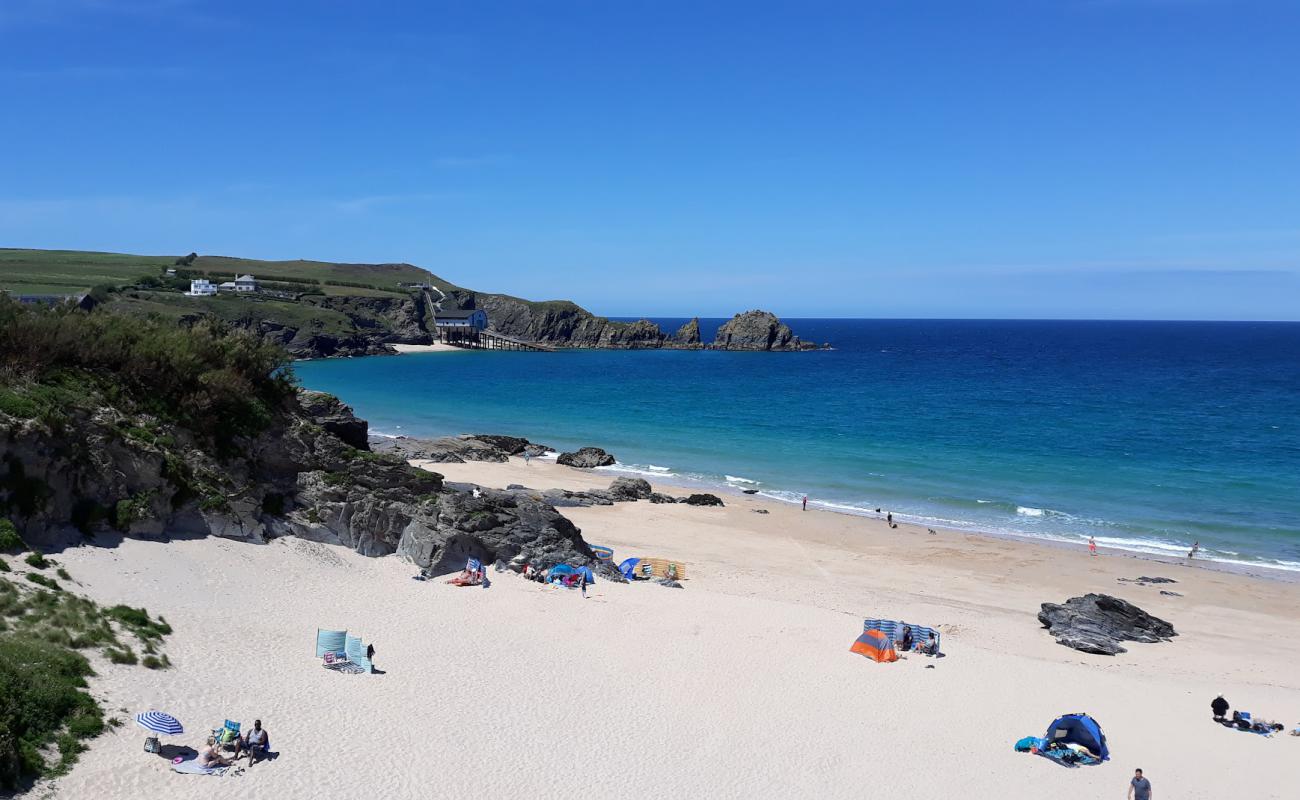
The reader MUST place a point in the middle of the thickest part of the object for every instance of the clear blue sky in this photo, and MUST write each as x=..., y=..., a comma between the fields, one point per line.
x=1043, y=158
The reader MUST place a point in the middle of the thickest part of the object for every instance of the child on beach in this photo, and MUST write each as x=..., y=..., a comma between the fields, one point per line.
x=1092, y=546
x=805, y=502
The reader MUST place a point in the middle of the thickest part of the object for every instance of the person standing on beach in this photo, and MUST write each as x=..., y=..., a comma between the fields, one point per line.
x=889, y=517
x=1092, y=546
x=1196, y=548
x=527, y=456
x=805, y=502
x=1139, y=788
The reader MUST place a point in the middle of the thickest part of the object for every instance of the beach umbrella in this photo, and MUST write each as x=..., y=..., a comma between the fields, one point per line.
x=158, y=722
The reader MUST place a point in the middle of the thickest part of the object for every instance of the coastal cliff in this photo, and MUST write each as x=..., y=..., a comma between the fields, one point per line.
x=110, y=426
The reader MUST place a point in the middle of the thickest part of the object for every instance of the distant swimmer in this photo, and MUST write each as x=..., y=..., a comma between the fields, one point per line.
x=1196, y=548
x=1092, y=545
x=805, y=502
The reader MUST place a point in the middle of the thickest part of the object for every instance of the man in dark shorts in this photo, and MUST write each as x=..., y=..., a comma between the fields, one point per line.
x=253, y=743
x=1139, y=788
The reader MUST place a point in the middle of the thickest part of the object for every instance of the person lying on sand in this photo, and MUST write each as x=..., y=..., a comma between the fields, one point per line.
x=210, y=758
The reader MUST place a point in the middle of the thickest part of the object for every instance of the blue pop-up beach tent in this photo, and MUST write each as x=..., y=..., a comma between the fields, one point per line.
x=586, y=573
x=1079, y=729
x=628, y=568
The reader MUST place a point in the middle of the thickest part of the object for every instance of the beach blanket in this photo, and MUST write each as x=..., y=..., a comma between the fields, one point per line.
x=894, y=630
x=346, y=667
x=1070, y=758
x=193, y=767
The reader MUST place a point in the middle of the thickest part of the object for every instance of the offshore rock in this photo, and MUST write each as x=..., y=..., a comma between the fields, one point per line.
x=1097, y=623
x=758, y=330
x=688, y=336
x=586, y=458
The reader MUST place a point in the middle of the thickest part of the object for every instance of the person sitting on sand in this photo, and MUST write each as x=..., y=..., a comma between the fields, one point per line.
x=929, y=647
x=210, y=758
x=253, y=743
x=905, y=642
x=1220, y=708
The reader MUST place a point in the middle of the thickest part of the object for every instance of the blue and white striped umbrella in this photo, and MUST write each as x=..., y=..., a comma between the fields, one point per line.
x=158, y=722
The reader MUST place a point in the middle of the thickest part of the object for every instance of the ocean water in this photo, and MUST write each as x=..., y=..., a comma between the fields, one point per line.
x=1148, y=435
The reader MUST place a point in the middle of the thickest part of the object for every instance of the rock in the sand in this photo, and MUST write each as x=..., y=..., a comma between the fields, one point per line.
x=458, y=449
x=759, y=510
x=749, y=491
x=1143, y=580
x=669, y=582
x=623, y=489
x=586, y=458
x=1097, y=623
x=1168, y=593
x=659, y=497
x=535, y=450
x=702, y=500
x=607, y=571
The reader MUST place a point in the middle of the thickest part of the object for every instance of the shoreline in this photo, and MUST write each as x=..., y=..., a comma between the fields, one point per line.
x=727, y=490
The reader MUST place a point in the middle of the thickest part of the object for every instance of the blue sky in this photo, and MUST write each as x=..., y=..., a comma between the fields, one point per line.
x=1043, y=158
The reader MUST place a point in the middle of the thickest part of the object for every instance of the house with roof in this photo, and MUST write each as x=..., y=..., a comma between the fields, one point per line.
x=461, y=319
x=242, y=284
x=201, y=287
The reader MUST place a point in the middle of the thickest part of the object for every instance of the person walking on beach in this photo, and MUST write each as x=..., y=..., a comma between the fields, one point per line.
x=805, y=502
x=527, y=457
x=1139, y=788
x=1092, y=546
x=889, y=517
x=1196, y=548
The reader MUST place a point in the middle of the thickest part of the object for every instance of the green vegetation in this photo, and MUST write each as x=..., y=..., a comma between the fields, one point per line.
x=63, y=574
x=43, y=702
x=10, y=541
x=39, y=579
x=71, y=271
x=36, y=560
x=203, y=376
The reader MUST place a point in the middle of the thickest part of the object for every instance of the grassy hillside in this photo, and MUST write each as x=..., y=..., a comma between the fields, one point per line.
x=72, y=271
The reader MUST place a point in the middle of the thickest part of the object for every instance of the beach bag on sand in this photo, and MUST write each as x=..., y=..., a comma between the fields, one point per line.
x=1028, y=744
x=151, y=745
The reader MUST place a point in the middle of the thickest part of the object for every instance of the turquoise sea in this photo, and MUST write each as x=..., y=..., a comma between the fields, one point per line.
x=1148, y=435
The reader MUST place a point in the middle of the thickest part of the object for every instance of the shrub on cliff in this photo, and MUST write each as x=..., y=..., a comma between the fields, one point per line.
x=206, y=377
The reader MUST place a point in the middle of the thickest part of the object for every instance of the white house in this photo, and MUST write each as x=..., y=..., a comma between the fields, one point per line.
x=244, y=283
x=201, y=287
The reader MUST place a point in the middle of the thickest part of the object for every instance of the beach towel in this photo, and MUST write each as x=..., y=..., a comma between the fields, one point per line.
x=894, y=630
x=193, y=767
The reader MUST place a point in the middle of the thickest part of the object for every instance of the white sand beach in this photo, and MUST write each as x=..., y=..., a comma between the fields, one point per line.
x=425, y=348
x=739, y=685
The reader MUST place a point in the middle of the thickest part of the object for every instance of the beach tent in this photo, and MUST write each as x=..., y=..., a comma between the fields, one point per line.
x=628, y=568
x=586, y=573
x=603, y=553
x=559, y=571
x=1079, y=729
x=876, y=646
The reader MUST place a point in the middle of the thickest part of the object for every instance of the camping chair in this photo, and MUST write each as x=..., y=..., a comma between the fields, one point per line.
x=226, y=735
x=357, y=654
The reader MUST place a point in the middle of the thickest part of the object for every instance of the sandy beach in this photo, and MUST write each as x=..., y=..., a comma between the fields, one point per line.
x=739, y=685
x=425, y=348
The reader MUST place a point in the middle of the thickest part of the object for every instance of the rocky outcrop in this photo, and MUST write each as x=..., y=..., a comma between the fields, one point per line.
x=758, y=330
x=1097, y=623
x=458, y=449
x=586, y=458
x=630, y=489
x=688, y=335
x=304, y=476
x=334, y=416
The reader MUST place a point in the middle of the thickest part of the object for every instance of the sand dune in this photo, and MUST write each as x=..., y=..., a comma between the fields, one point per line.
x=739, y=685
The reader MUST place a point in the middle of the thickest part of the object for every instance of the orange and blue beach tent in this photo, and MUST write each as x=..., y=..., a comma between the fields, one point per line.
x=876, y=646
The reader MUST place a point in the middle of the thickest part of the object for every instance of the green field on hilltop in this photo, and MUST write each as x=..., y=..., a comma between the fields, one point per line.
x=233, y=308
x=74, y=271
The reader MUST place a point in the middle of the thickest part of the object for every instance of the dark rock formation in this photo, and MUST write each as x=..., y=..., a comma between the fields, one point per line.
x=1097, y=623
x=688, y=336
x=701, y=500
x=758, y=330
x=1144, y=580
x=658, y=497
x=457, y=449
x=332, y=415
x=630, y=489
x=586, y=458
